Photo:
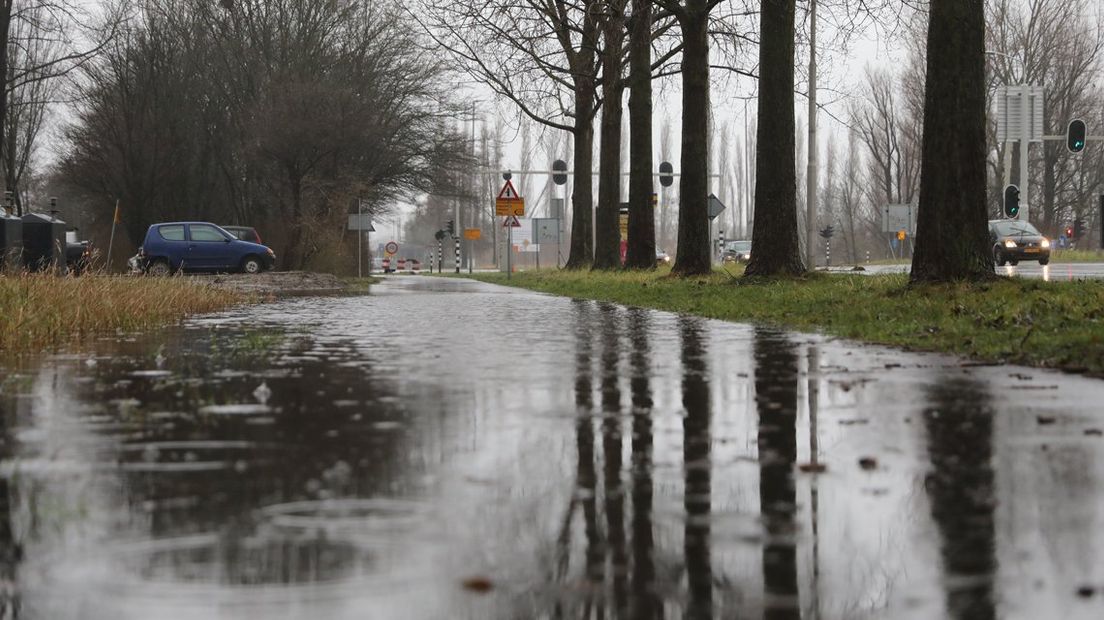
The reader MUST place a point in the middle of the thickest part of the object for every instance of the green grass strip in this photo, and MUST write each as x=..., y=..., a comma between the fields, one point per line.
x=1030, y=322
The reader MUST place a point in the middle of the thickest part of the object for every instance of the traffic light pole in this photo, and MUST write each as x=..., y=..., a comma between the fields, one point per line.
x=1025, y=141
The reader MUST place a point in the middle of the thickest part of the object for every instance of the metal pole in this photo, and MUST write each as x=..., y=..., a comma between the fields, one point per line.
x=360, y=237
x=811, y=187
x=440, y=259
x=111, y=240
x=457, y=240
x=509, y=251
x=1025, y=140
x=368, y=242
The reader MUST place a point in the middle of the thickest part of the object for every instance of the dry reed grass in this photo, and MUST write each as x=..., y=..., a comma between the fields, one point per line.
x=39, y=312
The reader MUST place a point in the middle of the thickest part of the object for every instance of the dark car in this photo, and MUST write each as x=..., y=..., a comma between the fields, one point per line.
x=199, y=246
x=78, y=257
x=1014, y=241
x=245, y=233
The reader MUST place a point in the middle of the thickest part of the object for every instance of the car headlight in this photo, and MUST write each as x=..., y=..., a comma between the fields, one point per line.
x=1008, y=243
x=1045, y=243
x=271, y=253
x=666, y=259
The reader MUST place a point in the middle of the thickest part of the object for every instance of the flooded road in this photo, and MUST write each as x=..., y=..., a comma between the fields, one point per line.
x=448, y=449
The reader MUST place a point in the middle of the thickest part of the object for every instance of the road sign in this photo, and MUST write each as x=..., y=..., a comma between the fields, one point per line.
x=899, y=217
x=391, y=248
x=508, y=202
x=901, y=234
x=546, y=230
x=716, y=207
x=511, y=221
x=1017, y=105
x=361, y=221
x=472, y=234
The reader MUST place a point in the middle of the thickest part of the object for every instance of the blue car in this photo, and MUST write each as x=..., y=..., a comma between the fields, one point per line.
x=199, y=246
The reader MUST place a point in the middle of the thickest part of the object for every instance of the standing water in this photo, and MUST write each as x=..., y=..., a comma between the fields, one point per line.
x=448, y=449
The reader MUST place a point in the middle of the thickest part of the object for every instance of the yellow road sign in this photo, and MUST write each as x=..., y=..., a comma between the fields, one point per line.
x=508, y=202
x=901, y=235
x=472, y=234
x=505, y=207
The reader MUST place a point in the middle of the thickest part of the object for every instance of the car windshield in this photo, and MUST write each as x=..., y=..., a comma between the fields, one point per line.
x=1013, y=229
x=740, y=246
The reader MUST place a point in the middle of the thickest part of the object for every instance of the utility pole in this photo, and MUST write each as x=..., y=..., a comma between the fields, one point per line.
x=1025, y=140
x=811, y=187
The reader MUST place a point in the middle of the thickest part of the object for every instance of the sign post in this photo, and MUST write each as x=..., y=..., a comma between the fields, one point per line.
x=510, y=205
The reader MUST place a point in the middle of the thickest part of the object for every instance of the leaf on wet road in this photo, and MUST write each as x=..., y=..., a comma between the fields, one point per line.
x=481, y=585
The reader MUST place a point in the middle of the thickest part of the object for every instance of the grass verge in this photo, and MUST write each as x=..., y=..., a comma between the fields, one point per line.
x=1031, y=322
x=41, y=312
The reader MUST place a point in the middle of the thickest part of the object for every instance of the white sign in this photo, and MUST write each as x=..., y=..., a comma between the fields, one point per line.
x=899, y=217
x=1014, y=105
x=546, y=230
x=361, y=221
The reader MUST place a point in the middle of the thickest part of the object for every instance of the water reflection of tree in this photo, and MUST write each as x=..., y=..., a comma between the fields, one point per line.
x=776, y=382
x=697, y=468
x=613, y=563
x=959, y=424
x=645, y=602
x=611, y=452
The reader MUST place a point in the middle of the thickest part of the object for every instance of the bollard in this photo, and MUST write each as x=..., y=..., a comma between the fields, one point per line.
x=457, y=239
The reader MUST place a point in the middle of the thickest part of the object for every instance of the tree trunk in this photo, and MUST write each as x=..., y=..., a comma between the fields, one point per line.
x=952, y=239
x=642, y=242
x=581, y=255
x=607, y=238
x=5, y=28
x=775, y=247
x=693, y=227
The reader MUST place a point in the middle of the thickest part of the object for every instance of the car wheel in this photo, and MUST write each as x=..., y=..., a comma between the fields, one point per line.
x=160, y=269
x=1044, y=261
x=998, y=258
x=252, y=264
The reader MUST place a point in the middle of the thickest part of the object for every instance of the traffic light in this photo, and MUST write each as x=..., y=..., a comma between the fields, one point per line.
x=559, y=172
x=1078, y=228
x=1075, y=136
x=1069, y=232
x=451, y=228
x=666, y=174
x=1011, y=201
x=828, y=232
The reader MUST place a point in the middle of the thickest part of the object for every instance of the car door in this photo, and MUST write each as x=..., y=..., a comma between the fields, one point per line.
x=208, y=248
x=168, y=240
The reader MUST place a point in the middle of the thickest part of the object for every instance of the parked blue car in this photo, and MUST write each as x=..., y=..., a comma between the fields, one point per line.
x=199, y=246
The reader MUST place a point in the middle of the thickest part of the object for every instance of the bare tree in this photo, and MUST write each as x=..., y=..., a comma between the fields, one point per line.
x=952, y=238
x=693, y=230
x=607, y=239
x=775, y=245
x=543, y=57
x=642, y=234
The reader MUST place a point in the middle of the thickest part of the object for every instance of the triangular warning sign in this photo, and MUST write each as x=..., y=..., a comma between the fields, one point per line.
x=508, y=192
x=511, y=221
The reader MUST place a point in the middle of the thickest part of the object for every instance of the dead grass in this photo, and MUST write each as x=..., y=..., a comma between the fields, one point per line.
x=41, y=312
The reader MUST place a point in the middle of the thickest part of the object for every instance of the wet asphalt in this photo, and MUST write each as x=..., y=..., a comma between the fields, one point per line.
x=450, y=449
x=1054, y=272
